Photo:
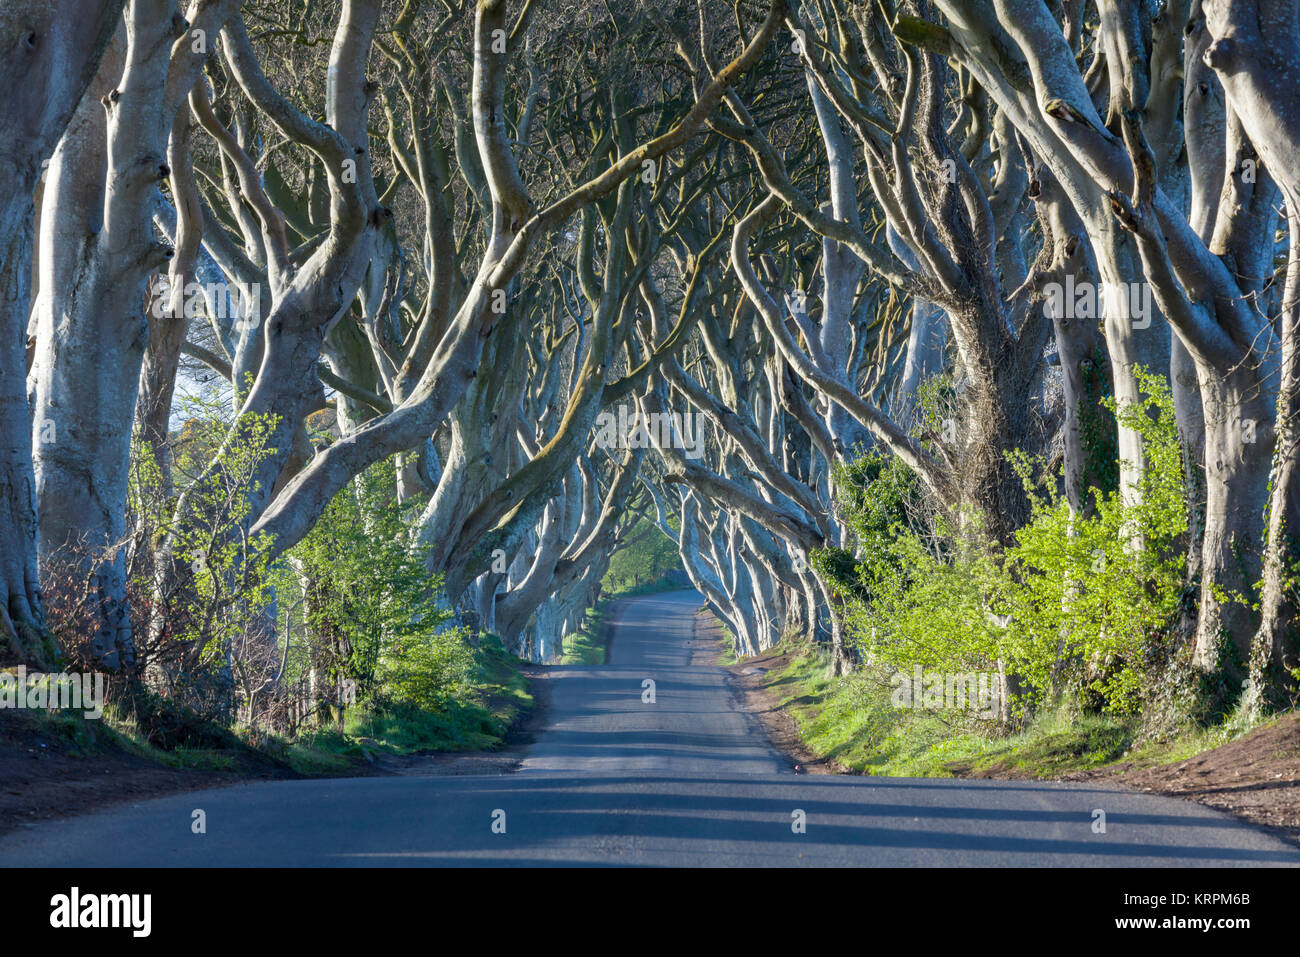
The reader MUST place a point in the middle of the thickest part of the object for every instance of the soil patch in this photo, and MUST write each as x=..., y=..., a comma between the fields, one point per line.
x=45, y=776
x=1256, y=777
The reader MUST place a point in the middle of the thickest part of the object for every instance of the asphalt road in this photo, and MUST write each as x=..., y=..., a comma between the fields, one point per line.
x=684, y=780
x=601, y=722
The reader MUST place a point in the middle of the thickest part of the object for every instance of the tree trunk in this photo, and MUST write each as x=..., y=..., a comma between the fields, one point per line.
x=52, y=50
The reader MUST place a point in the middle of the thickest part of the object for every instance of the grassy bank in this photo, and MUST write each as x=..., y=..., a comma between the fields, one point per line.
x=587, y=646
x=853, y=722
x=494, y=699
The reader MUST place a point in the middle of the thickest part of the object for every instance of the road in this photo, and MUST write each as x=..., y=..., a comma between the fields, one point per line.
x=615, y=778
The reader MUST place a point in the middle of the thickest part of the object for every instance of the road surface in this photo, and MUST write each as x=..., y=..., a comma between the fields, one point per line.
x=615, y=778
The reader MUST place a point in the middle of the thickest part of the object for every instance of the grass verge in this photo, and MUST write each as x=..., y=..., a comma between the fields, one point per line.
x=852, y=721
x=494, y=699
x=588, y=646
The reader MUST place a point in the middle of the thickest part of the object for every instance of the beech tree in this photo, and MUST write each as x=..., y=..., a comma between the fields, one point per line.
x=52, y=54
x=740, y=271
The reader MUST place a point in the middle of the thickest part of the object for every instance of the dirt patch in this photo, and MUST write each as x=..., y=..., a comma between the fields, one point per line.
x=1256, y=777
x=44, y=776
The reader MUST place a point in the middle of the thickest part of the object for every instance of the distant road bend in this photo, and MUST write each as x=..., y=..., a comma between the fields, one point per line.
x=681, y=780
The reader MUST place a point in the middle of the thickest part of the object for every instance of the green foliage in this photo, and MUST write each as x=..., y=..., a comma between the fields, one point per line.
x=1099, y=590
x=1075, y=602
x=880, y=499
x=209, y=593
x=931, y=609
x=371, y=611
x=493, y=697
x=851, y=721
x=362, y=618
x=646, y=558
x=936, y=401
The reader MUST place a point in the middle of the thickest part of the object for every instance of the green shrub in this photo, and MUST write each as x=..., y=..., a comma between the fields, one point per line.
x=1077, y=602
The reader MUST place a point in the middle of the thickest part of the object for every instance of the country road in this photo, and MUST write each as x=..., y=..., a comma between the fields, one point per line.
x=615, y=778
